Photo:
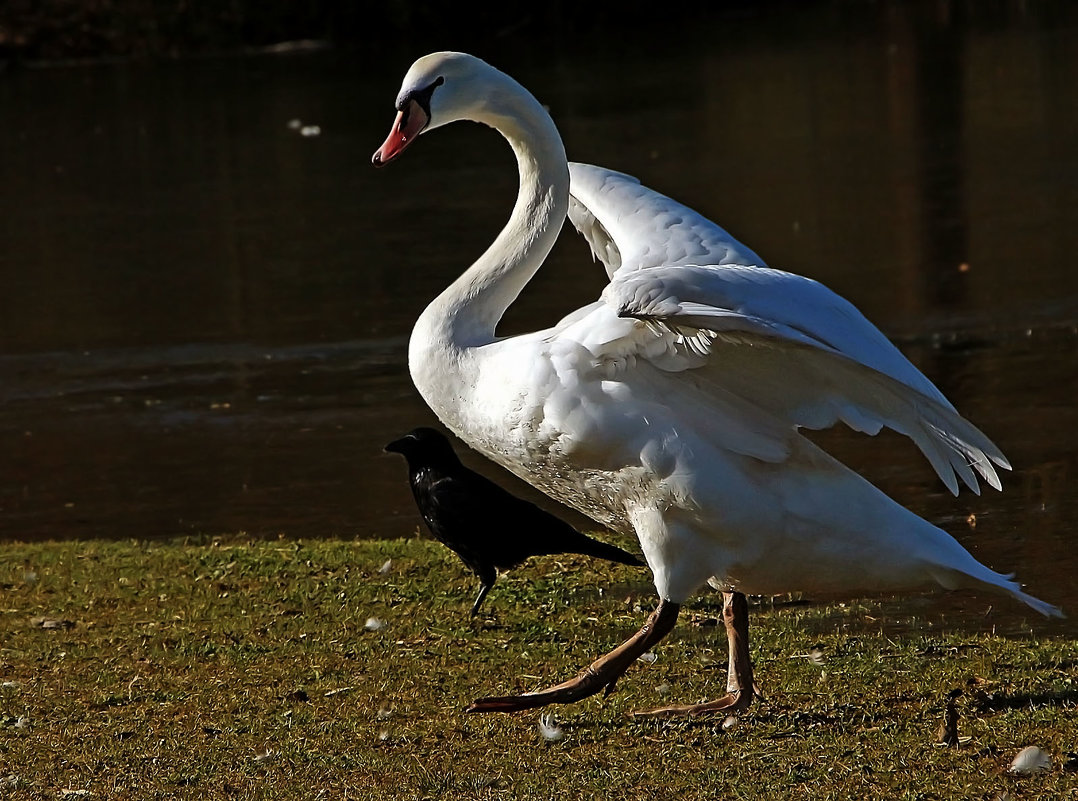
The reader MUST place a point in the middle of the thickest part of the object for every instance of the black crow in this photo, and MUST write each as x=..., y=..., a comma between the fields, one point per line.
x=487, y=527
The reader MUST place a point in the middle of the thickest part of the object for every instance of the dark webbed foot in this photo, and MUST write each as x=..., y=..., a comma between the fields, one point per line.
x=740, y=689
x=602, y=673
x=731, y=703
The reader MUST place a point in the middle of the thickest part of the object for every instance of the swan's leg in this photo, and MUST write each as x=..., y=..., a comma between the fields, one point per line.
x=739, y=686
x=603, y=672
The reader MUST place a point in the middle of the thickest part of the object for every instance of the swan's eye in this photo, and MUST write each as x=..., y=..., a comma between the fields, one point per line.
x=421, y=97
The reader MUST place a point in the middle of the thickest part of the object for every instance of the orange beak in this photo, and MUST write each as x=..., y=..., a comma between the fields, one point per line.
x=409, y=124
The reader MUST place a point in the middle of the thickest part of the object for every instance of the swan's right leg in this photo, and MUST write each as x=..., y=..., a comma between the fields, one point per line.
x=602, y=673
x=740, y=689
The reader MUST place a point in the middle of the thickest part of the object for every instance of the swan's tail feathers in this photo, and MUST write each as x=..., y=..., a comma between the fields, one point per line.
x=1046, y=609
x=952, y=579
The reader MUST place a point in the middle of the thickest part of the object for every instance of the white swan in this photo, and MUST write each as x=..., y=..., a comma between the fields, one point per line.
x=671, y=406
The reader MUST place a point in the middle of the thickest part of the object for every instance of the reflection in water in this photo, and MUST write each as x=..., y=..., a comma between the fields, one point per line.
x=205, y=314
x=941, y=162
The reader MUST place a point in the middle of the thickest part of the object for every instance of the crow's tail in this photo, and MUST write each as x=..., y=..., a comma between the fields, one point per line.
x=590, y=547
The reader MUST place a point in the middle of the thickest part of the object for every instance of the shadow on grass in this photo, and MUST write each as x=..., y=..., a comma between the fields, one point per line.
x=998, y=702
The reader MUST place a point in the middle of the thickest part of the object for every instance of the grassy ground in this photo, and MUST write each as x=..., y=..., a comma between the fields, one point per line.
x=237, y=669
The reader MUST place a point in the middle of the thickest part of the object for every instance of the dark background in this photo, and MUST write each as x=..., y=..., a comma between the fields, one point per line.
x=34, y=30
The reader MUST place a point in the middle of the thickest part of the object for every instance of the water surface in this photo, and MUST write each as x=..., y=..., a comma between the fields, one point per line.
x=204, y=313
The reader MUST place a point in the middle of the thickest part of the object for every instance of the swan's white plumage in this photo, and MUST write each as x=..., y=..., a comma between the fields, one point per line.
x=813, y=363
x=630, y=227
x=670, y=407
x=669, y=264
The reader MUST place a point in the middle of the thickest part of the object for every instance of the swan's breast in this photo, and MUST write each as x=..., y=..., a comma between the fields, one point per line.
x=562, y=409
x=546, y=410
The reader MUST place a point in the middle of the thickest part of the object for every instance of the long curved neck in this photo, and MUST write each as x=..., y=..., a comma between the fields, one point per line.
x=466, y=314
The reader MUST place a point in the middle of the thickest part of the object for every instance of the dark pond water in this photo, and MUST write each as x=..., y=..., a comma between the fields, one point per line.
x=204, y=313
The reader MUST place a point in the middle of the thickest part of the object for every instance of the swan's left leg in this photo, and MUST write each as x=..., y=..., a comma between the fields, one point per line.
x=739, y=686
x=602, y=673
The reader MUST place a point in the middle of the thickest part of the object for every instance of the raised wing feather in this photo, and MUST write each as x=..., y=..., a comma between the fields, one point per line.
x=630, y=227
x=781, y=341
x=802, y=309
x=804, y=354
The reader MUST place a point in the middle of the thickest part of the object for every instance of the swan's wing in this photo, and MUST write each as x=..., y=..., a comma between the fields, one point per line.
x=792, y=347
x=781, y=341
x=804, y=310
x=631, y=227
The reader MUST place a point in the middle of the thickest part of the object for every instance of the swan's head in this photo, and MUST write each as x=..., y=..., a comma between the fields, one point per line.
x=439, y=89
